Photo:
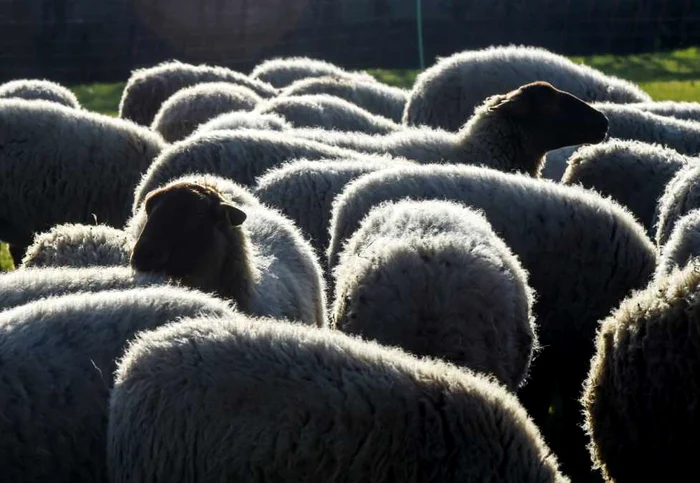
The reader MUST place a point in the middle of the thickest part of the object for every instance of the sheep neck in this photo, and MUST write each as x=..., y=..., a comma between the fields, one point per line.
x=237, y=275
x=496, y=142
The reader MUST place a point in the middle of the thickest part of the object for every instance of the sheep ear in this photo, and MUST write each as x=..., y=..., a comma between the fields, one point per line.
x=515, y=105
x=235, y=215
x=502, y=102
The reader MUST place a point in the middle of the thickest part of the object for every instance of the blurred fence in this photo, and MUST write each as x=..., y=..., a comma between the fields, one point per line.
x=77, y=41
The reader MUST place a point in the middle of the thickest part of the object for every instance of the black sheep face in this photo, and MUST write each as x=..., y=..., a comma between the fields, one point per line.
x=185, y=234
x=549, y=118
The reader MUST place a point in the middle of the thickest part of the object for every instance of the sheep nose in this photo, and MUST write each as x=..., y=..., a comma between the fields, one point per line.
x=148, y=258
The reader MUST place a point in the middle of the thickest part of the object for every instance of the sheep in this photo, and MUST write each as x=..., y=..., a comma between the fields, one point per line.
x=510, y=132
x=632, y=173
x=237, y=194
x=375, y=97
x=58, y=360
x=245, y=120
x=328, y=112
x=445, y=95
x=640, y=397
x=633, y=124
x=241, y=156
x=39, y=89
x=62, y=165
x=185, y=110
x=26, y=285
x=281, y=72
x=683, y=244
x=689, y=111
x=299, y=404
x=193, y=233
x=681, y=195
x=148, y=88
x=433, y=278
x=304, y=191
x=75, y=245
x=583, y=254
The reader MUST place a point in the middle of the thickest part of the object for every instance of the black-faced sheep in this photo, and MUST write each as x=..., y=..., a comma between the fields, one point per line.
x=510, y=132
x=641, y=395
x=241, y=156
x=433, y=278
x=682, y=194
x=445, y=95
x=185, y=110
x=147, y=89
x=682, y=246
x=630, y=172
x=63, y=165
x=299, y=404
x=304, y=191
x=245, y=120
x=193, y=233
x=281, y=72
x=327, y=112
x=375, y=97
x=74, y=245
x=58, y=360
x=39, y=89
x=632, y=124
x=583, y=253
x=20, y=287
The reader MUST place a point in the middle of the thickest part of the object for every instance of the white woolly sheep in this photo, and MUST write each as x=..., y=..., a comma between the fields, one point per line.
x=433, y=278
x=510, y=132
x=20, y=287
x=185, y=110
x=375, y=97
x=445, y=95
x=245, y=120
x=147, y=89
x=39, y=89
x=73, y=245
x=682, y=246
x=630, y=123
x=281, y=72
x=63, y=165
x=583, y=253
x=193, y=233
x=690, y=111
x=328, y=112
x=299, y=404
x=58, y=360
x=682, y=194
x=641, y=396
x=241, y=156
x=630, y=172
x=304, y=191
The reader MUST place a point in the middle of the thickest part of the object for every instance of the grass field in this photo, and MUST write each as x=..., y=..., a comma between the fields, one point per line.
x=665, y=76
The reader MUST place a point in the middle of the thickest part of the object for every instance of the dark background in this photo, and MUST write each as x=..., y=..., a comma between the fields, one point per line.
x=80, y=41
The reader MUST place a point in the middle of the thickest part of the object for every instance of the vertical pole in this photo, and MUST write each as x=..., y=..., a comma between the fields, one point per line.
x=419, y=25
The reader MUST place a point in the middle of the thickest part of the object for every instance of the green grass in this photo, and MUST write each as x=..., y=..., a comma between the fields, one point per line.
x=665, y=76
x=6, y=262
x=102, y=98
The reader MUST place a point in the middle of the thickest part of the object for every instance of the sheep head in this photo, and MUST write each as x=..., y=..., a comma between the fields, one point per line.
x=549, y=118
x=187, y=234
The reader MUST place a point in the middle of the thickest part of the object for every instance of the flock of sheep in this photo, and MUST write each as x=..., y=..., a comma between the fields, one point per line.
x=303, y=274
